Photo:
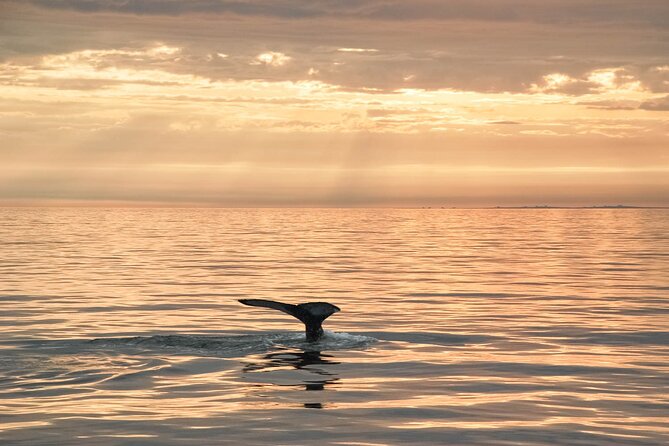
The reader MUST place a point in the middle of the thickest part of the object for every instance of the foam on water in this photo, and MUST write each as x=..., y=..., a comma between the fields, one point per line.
x=231, y=346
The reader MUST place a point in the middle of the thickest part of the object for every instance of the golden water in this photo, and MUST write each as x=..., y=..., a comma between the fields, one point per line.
x=121, y=326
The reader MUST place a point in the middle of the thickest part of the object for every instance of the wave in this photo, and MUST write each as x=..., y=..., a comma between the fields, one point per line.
x=239, y=344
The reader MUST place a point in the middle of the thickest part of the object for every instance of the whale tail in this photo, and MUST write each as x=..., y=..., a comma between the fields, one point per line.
x=311, y=314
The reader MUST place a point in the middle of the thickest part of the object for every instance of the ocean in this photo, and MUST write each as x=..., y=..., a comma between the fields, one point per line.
x=121, y=326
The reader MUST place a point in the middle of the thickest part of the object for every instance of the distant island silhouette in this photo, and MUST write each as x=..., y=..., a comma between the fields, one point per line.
x=603, y=206
x=548, y=206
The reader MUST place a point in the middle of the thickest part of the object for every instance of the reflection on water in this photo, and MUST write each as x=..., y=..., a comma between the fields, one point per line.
x=313, y=362
x=537, y=327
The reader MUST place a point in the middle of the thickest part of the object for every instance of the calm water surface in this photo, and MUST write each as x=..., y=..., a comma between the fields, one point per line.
x=496, y=327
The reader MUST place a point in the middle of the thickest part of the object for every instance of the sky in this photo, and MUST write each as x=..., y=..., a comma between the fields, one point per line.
x=334, y=103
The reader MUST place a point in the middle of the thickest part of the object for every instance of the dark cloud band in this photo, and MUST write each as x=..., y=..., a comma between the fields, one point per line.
x=650, y=12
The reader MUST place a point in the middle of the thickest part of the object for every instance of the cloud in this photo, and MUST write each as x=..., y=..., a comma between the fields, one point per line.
x=288, y=95
x=481, y=48
x=653, y=13
x=661, y=104
x=542, y=133
x=563, y=83
x=99, y=69
x=357, y=50
x=611, y=104
x=272, y=58
x=609, y=79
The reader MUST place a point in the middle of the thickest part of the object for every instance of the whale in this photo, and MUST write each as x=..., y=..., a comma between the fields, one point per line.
x=311, y=314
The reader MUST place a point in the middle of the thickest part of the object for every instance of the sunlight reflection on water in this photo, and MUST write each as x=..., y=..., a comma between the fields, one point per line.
x=121, y=326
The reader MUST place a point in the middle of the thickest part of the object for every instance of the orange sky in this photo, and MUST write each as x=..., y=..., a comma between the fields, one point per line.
x=335, y=103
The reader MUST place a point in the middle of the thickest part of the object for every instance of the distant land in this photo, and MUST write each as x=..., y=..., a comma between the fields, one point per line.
x=546, y=206
x=603, y=206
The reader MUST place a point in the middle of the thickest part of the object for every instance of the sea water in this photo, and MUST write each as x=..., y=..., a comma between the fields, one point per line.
x=517, y=326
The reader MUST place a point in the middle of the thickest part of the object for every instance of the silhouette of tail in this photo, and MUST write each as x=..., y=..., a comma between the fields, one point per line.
x=311, y=314
x=286, y=308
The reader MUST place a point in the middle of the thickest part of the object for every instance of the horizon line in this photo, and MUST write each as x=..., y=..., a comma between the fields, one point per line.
x=129, y=204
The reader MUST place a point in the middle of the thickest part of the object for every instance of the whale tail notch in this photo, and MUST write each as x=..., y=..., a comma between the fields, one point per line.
x=311, y=314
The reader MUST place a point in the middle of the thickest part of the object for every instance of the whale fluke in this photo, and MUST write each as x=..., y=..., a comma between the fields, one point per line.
x=311, y=314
